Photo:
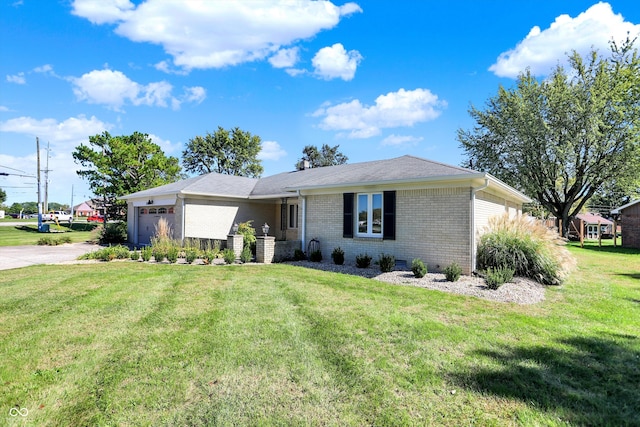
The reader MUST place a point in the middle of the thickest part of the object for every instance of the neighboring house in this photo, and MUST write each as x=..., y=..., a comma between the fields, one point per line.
x=629, y=215
x=591, y=222
x=84, y=209
x=408, y=207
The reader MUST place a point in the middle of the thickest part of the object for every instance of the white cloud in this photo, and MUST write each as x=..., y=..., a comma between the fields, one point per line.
x=167, y=146
x=542, y=50
x=71, y=130
x=396, y=109
x=114, y=89
x=195, y=94
x=214, y=34
x=335, y=62
x=271, y=150
x=4, y=108
x=285, y=58
x=18, y=79
x=63, y=138
x=46, y=69
x=394, y=140
x=103, y=11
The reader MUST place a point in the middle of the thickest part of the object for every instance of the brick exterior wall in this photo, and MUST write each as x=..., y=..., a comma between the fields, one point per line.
x=630, y=224
x=431, y=224
x=265, y=249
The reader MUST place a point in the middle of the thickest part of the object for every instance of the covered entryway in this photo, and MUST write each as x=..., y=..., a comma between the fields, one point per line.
x=148, y=218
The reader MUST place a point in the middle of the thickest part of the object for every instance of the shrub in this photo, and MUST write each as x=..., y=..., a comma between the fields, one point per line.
x=135, y=255
x=109, y=254
x=248, y=233
x=146, y=253
x=50, y=241
x=246, y=255
x=386, y=263
x=525, y=246
x=337, y=256
x=229, y=256
x=113, y=232
x=315, y=256
x=172, y=253
x=453, y=272
x=190, y=255
x=418, y=268
x=363, y=261
x=298, y=255
x=159, y=252
x=496, y=277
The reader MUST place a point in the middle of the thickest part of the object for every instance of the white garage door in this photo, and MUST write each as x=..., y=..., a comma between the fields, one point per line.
x=148, y=218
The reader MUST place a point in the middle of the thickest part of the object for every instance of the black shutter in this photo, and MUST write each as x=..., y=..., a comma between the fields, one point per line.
x=347, y=215
x=389, y=222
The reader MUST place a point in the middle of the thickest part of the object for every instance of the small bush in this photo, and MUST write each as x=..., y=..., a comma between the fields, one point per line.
x=496, y=277
x=229, y=256
x=298, y=255
x=386, y=263
x=363, y=261
x=172, y=254
x=109, y=254
x=246, y=255
x=113, y=232
x=135, y=255
x=146, y=253
x=159, y=252
x=337, y=256
x=315, y=256
x=50, y=241
x=190, y=255
x=453, y=272
x=418, y=268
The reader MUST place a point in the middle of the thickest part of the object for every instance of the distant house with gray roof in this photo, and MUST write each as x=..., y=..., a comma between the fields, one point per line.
x=408, y=207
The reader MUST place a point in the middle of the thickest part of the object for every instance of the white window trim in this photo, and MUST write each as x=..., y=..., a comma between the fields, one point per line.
x=369, y=233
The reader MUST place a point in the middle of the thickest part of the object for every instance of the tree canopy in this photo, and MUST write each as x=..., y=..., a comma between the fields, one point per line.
x=3, y=196
x=119, y=165
x=326, y=156
x=561, y=139
x=233, y=152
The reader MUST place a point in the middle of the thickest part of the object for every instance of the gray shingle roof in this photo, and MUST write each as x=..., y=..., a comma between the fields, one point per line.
x=404, y=168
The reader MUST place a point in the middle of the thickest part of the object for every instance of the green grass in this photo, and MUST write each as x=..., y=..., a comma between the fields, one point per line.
x=144, y=344
x=23, y=235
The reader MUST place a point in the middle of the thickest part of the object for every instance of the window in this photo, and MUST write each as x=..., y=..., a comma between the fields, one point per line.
x=170, y=210
x=153, y=211
x=369, y=215
x=143, y=211
x=293, y=216
x=369, y=210
x=162, y=210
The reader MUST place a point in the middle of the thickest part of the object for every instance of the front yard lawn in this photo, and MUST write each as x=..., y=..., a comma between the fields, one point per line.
x=24, y=235
x=126, y=343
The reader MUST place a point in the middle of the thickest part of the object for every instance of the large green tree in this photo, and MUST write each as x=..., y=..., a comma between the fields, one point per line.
x=233, y=152
x=562, y=138
x=118, y=165
x=3, y=196
x=325, y=156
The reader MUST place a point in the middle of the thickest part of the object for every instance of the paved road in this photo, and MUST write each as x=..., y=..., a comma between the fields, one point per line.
x=23, y=256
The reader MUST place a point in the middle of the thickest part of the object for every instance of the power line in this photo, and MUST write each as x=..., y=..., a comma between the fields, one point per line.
x=7, y=167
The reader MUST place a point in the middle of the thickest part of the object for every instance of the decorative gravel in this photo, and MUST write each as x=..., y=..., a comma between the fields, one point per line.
x=519, y=291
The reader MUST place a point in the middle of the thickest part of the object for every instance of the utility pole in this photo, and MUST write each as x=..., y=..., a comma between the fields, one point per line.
x=39, y=196
x=46, y=183
x=71, y=200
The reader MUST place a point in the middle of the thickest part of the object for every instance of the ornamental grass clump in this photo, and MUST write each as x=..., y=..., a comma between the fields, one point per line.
x=527, y=247
x=496, y=277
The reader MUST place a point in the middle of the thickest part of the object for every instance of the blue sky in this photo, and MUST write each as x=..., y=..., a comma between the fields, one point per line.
x=380, y=79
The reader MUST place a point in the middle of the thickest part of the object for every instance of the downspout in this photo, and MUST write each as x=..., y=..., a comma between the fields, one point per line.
x=183, y=220
x=474, y=190
x=303, y=226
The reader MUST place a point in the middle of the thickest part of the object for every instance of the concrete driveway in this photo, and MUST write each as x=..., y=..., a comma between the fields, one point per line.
x=23, y=256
